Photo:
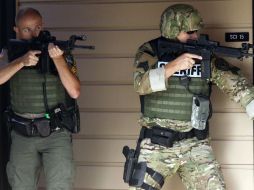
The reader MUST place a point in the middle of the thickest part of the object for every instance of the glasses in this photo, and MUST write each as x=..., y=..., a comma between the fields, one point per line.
x=192, y=32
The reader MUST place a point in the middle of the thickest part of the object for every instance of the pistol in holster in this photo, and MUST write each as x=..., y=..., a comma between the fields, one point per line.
x=131, y=161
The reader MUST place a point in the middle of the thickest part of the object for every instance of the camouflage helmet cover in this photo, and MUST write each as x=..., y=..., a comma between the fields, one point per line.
x=179, y=17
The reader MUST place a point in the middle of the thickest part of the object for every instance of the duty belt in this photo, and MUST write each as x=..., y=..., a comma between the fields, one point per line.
x=167, y=137
x=30, y=127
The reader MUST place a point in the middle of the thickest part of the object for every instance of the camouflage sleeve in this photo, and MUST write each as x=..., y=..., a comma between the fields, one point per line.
x=71, y=63
x=230, y=80
x=147, y=78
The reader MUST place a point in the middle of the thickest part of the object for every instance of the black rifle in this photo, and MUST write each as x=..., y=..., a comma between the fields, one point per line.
x=203, y=47
x=17, y=48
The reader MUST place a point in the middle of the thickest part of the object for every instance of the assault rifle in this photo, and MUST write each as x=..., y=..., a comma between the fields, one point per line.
x=17, y=48
x=205, y=48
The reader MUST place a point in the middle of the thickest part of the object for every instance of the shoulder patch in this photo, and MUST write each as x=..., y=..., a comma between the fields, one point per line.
x=144, y=65
x=223, y=65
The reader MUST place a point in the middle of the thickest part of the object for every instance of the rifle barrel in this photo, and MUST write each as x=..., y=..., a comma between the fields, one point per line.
x=84, y=47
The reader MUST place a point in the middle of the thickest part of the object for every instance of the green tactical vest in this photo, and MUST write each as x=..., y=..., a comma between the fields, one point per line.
x=26, y=91
x=176, y=102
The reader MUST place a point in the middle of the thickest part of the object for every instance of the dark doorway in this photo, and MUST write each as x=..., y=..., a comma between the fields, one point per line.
x=7, y=19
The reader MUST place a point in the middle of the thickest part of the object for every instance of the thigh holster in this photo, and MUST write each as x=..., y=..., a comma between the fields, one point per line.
x=134, y=172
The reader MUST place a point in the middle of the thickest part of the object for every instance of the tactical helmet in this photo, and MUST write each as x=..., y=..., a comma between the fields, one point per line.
x=179, y=17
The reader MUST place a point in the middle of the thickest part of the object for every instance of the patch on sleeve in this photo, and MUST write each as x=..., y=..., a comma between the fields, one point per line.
x=143, y=65
x=223, y=65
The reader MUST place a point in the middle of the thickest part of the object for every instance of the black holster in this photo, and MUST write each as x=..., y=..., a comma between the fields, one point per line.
x=131, y=161
x=134, y=171
x=63, y=117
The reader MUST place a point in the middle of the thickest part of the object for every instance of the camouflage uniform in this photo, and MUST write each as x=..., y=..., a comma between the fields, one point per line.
x=191, y=158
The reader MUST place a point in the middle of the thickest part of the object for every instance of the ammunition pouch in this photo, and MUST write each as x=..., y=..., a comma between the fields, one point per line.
x=29, y=127
x=200, y=112
x=63, y=117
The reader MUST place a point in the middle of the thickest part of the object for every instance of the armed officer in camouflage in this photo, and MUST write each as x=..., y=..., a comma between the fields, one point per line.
x=176, y=108
x=40, y=102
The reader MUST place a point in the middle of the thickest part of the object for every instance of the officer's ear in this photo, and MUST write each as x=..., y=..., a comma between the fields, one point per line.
x=16, y=29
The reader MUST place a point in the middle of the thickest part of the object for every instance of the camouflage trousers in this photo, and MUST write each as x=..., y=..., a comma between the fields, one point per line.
x=192, y=159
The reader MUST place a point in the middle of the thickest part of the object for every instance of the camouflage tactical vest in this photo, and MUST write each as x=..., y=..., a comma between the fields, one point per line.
x=26, y=91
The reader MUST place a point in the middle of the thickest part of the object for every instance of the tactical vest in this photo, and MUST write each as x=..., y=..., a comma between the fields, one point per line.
x=175, y=102
x=26, y=91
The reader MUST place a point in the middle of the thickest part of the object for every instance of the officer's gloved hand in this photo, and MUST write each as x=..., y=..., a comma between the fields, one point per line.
x=250, y=110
